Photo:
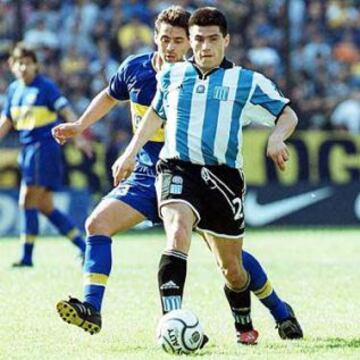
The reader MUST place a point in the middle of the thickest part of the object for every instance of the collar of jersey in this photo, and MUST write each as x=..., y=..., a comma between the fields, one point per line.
x=225, y=64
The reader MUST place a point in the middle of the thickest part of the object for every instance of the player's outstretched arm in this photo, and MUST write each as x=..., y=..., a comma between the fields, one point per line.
x=80, y=141
x=276, y=148
x=98, y=108
x=5, y=126
x=125, y=164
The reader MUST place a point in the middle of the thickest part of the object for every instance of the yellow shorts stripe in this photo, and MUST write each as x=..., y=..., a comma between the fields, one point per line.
x=27, y=238
x=265, y=291
x=95, y=279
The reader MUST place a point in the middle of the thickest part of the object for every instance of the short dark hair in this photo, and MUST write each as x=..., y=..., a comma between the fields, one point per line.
x=174, y=16
x=21, y=50
x=209, y=16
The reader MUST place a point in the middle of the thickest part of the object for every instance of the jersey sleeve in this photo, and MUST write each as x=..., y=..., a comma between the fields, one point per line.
x=158, y=101
x=56, y=101
x=118, y=83
x=266, y=102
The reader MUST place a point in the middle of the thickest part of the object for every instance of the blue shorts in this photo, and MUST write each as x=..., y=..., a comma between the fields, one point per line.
x=41, y=164
x=138, y=191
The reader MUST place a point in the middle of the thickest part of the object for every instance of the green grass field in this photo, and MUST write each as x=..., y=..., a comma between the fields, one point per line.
x=317, y=271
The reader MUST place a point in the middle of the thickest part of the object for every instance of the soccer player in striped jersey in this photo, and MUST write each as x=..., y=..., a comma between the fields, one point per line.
x=204, y=103
x=134, y=200
x=32, y=106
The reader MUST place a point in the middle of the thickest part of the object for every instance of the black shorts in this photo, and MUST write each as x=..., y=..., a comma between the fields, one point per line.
x=215, y=194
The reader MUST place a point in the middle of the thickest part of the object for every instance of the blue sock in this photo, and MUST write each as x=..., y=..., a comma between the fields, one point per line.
x=97, y=269
x=29, y=229
x=67, y=228
x=261, y=287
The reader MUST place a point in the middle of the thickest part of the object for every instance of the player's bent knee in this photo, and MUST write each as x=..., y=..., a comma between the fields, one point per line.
x=234, y=275
x=45, y=209
x=178, y=238
x=95, y=225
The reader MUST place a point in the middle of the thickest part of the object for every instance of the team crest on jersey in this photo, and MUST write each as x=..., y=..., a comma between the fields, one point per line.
x=176, y=185
x=200, y=89
x=221, y=93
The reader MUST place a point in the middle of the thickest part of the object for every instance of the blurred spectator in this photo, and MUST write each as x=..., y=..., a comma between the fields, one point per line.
x=346, y=50
x=315, y=51
x=6, y=29
x=74, y=36
x=74, y=62
x=339, y=13
x=137, y=9
x=262, y=55
x=85, y=13
x=346, y=115
x=103, y=63
x=40, y=36
x=297, y=15
x=135, y=36
x=47, y=12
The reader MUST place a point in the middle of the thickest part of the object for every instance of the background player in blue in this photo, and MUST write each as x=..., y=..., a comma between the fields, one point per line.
x=204, y=103
x=32, y=106
x=134, y=200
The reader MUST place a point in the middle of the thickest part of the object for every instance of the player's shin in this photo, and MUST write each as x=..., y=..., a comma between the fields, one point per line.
x=171, y=279
x=261, y=287
x=97, y=267
x=28, y=231
x=240, y=304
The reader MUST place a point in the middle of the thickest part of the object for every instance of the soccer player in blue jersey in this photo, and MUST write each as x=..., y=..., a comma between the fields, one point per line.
x=134, y=200
x=32, y=106
x=204, y=104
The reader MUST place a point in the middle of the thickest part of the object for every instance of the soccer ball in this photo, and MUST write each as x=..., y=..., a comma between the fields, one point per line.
x=179, y=332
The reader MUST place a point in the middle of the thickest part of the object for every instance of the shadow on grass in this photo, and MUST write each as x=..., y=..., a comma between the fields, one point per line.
x=317, y=344
x=336, y=342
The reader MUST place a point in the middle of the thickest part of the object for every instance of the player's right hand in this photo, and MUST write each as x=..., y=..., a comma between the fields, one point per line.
x=278, y=152
x=122, y=168
x=63, y=132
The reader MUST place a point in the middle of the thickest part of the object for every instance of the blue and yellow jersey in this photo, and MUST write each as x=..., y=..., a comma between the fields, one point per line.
x=135, y=81
x=33, y=108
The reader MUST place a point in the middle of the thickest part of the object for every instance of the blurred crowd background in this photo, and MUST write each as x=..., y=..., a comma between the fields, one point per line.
x=309, y=48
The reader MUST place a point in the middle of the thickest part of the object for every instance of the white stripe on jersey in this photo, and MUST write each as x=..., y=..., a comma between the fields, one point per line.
x=248, y=109
x=196, y=121
x=231, y=78
x=256, y=113
x=177, y=75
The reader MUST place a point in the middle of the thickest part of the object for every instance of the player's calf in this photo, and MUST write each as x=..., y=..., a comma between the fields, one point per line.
x=80, y=314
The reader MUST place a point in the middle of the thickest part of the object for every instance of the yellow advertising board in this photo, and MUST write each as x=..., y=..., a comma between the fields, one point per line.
x=315, y=157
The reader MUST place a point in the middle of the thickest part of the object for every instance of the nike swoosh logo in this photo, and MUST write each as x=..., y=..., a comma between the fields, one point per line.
x=261, y=214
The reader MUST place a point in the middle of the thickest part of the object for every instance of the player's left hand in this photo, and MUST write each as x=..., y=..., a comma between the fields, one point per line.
x=278, y=152
x=122, y=168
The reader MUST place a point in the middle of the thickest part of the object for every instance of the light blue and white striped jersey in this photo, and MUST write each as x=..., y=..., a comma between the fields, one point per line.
x=205, y=114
